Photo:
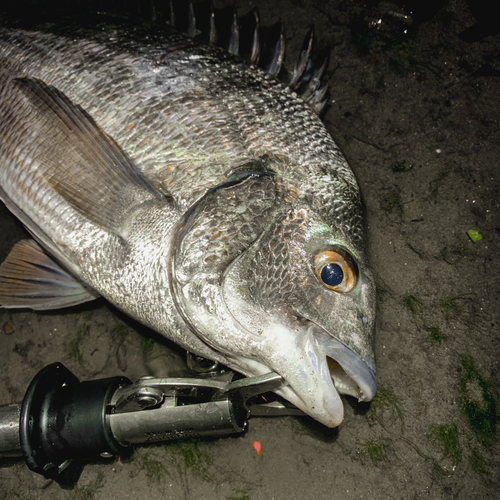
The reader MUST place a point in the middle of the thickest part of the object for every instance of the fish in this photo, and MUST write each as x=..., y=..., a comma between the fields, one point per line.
x=196, y=189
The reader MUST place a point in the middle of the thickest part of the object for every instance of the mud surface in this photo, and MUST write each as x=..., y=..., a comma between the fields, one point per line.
x=418, y=118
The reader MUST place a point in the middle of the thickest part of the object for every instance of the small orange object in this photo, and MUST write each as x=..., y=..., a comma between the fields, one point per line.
x=7, y=329
x=257, y=446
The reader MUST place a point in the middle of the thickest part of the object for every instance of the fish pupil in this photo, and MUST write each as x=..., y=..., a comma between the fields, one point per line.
x=332, y=275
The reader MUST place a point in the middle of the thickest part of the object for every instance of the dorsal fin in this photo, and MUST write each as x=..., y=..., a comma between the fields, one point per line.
x=263, y=46
x=311, y=78
x=226, y=24
x=202, y=15
x=304, y=57
x=320, y=99
x=191, y=21
x=234, y=43
x=179, y=16
x=244, y=36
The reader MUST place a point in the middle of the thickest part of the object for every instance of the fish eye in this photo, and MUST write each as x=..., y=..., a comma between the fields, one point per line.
x=332, y=275
x=336, y=270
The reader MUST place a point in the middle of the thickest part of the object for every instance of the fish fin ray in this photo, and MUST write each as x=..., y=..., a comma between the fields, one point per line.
x=79, y=161
x=29, y=278
x=272, y=48
x=234, y=43
x=304, y=56
x=311, y=79
x=250, y=36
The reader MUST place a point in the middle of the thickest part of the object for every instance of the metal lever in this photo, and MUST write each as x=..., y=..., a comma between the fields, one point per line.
x=170, y=408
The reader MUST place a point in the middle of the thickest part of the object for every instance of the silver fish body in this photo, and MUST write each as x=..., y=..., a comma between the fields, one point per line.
x=214, y=218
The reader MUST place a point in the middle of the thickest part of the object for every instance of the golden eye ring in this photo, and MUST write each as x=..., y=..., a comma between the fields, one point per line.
x=336, y=270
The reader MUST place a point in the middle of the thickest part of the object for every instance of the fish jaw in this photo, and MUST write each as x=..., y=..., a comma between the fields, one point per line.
x=350, y=374
x=316, y=367
x=309, y=386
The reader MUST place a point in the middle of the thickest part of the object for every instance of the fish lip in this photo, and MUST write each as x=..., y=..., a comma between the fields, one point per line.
x=354, y=367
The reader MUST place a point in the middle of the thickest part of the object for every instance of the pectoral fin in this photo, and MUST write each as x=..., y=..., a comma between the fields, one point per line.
x=29, y=278
x=80, y=162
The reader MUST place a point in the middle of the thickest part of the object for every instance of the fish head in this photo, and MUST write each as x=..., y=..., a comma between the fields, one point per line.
x=265, y=281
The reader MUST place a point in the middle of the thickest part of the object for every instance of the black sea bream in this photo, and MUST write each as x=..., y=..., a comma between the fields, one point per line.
x=196, y=192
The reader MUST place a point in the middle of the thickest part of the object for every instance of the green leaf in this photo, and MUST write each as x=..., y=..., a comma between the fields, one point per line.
x=475, y=235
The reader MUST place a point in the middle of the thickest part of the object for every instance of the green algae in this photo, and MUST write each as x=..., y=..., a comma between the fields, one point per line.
x=447, y=436
x=413, y=302
x=478, y=402
x=377, y=451
x=436, y=336
x=155, y=470
x=385, y=400
x=450, y=307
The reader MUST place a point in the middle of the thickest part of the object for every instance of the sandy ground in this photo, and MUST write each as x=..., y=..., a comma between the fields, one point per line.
x=418, y=121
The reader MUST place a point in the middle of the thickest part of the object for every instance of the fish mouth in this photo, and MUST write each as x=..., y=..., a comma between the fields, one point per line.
x=330, y=369
x=316, y=367
x=350, y=374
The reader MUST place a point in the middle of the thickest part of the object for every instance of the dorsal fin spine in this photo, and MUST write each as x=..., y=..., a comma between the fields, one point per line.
x=304, y=56
x=191, y=21
x=256, y=38
x=234, y=38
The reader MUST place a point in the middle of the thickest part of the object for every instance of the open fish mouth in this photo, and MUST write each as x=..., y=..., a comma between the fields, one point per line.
x=315, y=381
x=330, y=369
x=350, y=374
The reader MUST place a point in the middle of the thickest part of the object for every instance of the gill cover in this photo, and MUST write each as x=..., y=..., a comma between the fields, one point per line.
x=211, y=235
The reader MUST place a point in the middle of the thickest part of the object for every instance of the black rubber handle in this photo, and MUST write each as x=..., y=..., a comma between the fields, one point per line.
x=63, y=419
